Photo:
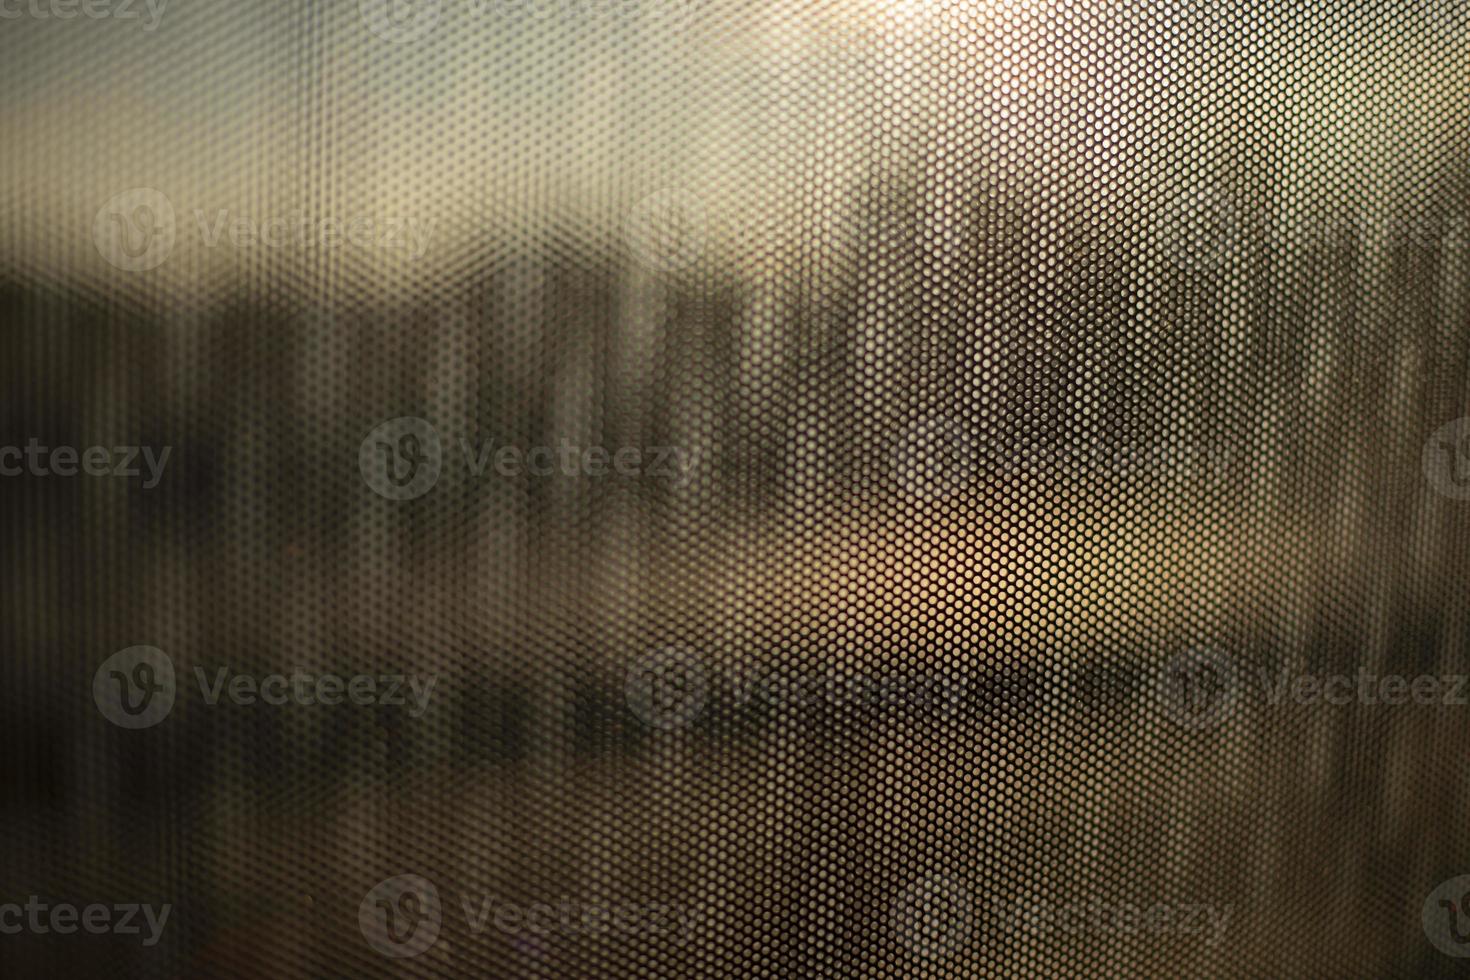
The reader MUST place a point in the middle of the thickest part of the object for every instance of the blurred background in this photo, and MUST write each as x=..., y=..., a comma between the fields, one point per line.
x=1023, y=347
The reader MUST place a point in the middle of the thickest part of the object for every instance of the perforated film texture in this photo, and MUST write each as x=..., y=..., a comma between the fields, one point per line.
x=882, y=489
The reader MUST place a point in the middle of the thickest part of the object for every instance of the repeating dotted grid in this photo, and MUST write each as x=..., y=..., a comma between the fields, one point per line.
x=1113, y=300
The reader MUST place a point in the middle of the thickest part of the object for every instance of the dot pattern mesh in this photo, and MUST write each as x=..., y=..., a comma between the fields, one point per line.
x=1017, y=349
